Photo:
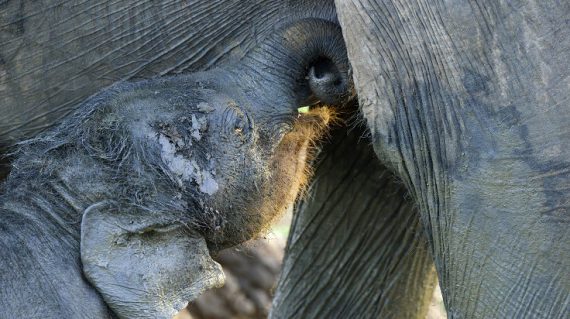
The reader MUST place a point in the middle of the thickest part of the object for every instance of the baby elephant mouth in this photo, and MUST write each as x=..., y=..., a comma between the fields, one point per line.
x=298, y=147
x=291, y=163
x=278, y=177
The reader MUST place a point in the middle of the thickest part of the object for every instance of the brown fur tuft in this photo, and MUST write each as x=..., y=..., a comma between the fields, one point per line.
x=291, y=163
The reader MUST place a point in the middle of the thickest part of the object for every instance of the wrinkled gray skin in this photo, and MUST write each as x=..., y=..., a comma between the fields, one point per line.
x=383, y=268
x=54, y=54
x=466, y=102
x=112, y=212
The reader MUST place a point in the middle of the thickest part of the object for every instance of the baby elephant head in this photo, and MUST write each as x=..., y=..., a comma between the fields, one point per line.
x=181, y=165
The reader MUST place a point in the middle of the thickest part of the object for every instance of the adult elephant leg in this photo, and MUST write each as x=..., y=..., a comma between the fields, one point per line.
x=468, y=103
x=356, y=248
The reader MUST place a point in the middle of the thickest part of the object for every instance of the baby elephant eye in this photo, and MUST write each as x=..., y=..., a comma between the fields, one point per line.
x=240, y=124
x=236, y=121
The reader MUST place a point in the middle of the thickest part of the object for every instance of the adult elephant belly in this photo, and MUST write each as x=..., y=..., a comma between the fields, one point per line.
x=56, y=53
x=466, y=101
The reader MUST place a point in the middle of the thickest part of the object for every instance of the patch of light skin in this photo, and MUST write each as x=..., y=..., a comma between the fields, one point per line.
x=209, y=184
x=198, y=124
x=186, y=169
x=195, y=128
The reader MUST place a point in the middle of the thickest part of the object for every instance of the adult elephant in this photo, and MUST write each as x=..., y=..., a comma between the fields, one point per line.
x=467, y=102
x=464, y=101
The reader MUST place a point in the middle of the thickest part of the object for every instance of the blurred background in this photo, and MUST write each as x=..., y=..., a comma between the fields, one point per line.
x=252, y=271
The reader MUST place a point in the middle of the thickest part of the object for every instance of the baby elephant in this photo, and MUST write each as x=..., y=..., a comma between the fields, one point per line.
x=113, y=212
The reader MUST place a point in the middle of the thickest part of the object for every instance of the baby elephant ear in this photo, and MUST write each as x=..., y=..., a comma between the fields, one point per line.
x=144, y=269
